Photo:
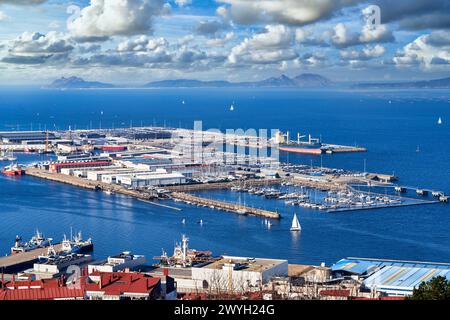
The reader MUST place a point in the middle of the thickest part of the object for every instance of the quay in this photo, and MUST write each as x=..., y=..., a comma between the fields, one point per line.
x=23, y=260
x=142, y=195
x=87, y=184
x=231, y=207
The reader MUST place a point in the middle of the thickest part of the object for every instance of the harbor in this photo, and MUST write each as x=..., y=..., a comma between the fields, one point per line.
x=128, y=177
x=156, y=164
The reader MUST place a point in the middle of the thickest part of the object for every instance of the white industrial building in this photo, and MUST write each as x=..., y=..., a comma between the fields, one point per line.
x=236, y=274
x=120, y=262
x=151, y=179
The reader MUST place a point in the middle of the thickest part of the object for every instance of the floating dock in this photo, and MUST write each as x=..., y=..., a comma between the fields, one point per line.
x=222, y=205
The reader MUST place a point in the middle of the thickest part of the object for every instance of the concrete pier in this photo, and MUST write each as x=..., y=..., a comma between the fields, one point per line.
x=231, y=207
x=16, y=262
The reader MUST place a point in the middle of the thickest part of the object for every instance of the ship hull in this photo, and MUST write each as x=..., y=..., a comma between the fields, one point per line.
x=13, y=173
x=312, y=151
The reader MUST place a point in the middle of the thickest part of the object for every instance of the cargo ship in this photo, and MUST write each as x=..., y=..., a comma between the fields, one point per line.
x=313, y=146
x=13, y=170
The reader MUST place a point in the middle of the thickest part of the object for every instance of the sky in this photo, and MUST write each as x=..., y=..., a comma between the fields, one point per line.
x=137, y=41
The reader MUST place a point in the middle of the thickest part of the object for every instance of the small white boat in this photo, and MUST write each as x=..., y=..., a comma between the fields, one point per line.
x=439, y=120
x=295, y=224
x=232, y=107
x=183, y=221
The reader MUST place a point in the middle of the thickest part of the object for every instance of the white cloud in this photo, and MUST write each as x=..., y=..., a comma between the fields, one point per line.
x=142, y=43
x=37, y=48
x=221, y=41
x=366, y=53
x=426, y=51
x=296, y=12
x=379, y=34
x=273, y=45
x=104, y=18
x=342, y=37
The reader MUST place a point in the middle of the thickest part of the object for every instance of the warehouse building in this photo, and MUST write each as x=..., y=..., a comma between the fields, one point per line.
x=119, y=262
x=151, y=179
x=20, y=137
x=238, y=274
x=390, y=277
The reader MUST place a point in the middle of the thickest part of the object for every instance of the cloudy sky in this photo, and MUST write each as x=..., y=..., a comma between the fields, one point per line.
x=136, y=41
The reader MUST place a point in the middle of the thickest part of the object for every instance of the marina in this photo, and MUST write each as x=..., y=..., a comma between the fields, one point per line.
x=158, y=171
x=117, y=211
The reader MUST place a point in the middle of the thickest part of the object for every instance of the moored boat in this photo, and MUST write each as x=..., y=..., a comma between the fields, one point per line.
x=13, y=170
x=37, y=241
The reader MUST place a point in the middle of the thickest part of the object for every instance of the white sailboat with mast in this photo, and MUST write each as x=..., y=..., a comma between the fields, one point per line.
x=295, y=224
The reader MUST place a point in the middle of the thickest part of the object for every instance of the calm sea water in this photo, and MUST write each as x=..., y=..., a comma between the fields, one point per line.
x=390, y=124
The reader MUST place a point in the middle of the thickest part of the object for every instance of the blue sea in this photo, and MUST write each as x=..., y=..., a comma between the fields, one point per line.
x=392, y=125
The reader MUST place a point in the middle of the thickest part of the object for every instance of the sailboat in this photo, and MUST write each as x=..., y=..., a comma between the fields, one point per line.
x=232, y=107
x=295, y=224
x=440, y=120
x=183, y=221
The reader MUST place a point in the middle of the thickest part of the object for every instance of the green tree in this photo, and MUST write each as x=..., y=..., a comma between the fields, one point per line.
x=438, y=288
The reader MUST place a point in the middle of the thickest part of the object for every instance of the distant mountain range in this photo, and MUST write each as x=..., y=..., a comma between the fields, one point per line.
x=305, y=80
x=77, y=83
x=427, y=84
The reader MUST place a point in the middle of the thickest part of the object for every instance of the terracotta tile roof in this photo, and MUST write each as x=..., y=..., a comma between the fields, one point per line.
x=116, y=283
x=41, y=294
x=335, y=293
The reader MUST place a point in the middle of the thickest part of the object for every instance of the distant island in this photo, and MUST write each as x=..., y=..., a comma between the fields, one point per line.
x=77, y=83
x=424, y=84
x=305, y=80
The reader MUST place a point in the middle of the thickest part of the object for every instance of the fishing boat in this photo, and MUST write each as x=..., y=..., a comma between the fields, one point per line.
x=13, y=170
x=295, y=224
x=76, y=244
x=37, y=241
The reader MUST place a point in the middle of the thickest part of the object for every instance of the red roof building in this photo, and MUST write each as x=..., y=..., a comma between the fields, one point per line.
x=49, y=289
x=122, y=285
x=97, y=286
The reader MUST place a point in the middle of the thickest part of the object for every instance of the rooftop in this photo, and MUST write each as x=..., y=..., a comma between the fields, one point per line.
x=393, y=276
x=244, y=263
x=116, y=283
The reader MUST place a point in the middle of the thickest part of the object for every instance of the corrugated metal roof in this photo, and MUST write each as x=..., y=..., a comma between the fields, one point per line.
x=362, y=265
x=403, y=278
